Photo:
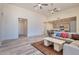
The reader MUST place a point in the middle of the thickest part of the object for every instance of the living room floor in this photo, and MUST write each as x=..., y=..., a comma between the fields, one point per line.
x=21, y=46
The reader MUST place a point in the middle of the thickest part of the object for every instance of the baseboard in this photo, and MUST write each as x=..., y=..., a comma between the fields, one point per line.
x=8, y=39
x=36, y=36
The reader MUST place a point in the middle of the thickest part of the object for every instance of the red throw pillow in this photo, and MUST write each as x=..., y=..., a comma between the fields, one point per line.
x=75, y=36
x=64, y=35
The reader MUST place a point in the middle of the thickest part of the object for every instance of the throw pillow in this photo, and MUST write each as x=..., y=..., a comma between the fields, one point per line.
x=64, y=34
x=75, y=36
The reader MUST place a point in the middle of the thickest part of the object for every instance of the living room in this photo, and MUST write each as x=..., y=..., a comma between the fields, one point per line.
x=40, y=24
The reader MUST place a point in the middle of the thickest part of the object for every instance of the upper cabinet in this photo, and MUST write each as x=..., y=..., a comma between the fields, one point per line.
x=64, y=24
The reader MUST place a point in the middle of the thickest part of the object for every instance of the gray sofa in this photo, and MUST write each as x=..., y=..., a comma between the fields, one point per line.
x=70, y=50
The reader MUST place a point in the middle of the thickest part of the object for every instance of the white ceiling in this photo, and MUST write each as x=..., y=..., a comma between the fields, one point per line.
x=45, y=9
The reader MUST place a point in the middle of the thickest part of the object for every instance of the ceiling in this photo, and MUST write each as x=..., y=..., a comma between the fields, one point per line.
x=45, y=9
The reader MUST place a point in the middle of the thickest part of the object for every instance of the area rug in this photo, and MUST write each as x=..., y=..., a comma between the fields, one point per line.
x=46, y=50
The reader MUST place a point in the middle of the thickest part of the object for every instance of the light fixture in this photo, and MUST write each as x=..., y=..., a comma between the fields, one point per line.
x=51, y=11
x=39, y=5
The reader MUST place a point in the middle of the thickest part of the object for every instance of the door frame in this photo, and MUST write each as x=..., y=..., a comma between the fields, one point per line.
x=25, y=19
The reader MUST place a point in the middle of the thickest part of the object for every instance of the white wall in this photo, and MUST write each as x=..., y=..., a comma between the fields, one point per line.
x=67, y=13
x=0, y=21
x=10, y=21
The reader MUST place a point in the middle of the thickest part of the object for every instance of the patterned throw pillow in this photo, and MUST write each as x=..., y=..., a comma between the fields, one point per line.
x=64, y=34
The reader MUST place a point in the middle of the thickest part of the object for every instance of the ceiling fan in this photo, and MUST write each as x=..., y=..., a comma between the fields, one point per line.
x=40, y=5
x=52, y=11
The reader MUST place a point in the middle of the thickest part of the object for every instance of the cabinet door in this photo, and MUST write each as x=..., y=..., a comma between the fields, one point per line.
x=66, y=26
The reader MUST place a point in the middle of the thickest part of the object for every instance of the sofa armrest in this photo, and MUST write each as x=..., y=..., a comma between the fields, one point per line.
x=70, y=50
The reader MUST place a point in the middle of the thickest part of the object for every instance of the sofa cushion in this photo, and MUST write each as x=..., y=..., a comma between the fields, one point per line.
x=75, y=43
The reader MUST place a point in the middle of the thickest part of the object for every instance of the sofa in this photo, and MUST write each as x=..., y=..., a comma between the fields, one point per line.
x=70, y=49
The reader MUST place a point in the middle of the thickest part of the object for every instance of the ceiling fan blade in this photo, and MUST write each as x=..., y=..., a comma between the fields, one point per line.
x=49, y=10
x=40, y=7
x=44, y=4
x=56, y=9
x=35, y=6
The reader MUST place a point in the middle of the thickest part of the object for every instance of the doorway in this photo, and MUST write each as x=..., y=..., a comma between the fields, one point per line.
x=22, y=26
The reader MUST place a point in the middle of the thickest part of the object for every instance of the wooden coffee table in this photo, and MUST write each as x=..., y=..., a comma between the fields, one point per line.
x=58, y=44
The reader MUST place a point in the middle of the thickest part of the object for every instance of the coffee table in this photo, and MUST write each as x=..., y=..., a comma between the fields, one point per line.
x=58, y=44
